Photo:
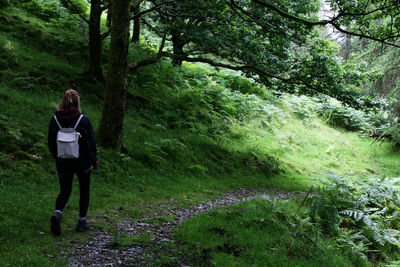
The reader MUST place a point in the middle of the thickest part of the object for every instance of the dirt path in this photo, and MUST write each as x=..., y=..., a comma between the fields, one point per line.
x=101, y=251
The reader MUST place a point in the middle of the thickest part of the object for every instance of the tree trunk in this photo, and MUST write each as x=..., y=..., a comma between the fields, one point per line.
x=347, y=47
x=109, y=14
x=178, y=45
x=136, y=25
x=110, y=130
x=95, y=42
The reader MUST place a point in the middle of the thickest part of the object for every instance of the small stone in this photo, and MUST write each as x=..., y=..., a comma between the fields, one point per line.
x=35, y=156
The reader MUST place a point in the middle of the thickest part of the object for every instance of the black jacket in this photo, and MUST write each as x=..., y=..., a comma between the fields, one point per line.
x=87, y=143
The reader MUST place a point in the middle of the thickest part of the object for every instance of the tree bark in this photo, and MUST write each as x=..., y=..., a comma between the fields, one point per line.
x=95, y=42
x=136, y=25
x=110, y=130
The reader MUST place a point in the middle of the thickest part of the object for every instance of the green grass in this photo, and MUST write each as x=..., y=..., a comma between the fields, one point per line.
x=188, y=152
x=38, y=55
x=258, y=233
x=311, y=148
x=129, y=240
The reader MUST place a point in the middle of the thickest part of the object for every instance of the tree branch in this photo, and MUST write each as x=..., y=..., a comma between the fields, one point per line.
x=150, y=60
x=152, y=9
x=224, y=65
x=105, y=7
x=105, y=34
x=332, y=21
x=77, y=9
x=290, y=16
x=337, y=27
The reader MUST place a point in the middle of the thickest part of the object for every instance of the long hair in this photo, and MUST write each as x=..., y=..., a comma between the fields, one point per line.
x=70, y=99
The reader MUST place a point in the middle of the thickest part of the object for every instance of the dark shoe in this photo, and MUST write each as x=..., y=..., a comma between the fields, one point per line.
x=56, y=223
x=82, y=226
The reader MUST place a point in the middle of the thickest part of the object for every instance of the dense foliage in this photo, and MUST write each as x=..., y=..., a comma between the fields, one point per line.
x=268, y=47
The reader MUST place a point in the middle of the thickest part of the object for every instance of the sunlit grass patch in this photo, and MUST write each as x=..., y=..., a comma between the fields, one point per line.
x=311, y=149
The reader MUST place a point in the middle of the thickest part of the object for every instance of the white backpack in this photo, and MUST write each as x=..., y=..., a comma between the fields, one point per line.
x=68, y=141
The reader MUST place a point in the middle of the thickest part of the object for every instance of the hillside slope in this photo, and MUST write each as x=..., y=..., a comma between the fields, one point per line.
x=190, y=134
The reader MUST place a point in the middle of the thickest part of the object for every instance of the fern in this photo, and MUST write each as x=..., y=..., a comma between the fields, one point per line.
x=356, y=215
x=368, y=208
x=355, y=243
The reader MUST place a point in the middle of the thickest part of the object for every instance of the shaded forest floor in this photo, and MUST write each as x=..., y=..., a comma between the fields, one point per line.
x=191, y=134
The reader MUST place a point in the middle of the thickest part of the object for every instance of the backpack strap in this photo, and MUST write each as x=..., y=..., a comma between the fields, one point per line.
x=55, y=117
x=78, y=122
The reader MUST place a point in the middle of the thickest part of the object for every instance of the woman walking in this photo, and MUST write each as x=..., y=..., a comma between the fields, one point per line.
x=69, y=120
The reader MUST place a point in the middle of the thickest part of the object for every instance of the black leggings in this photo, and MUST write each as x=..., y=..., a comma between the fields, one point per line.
x=66, y=188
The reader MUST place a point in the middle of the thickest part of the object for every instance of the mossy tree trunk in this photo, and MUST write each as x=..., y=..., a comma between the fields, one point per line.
x=95, y=42
x=110, y=130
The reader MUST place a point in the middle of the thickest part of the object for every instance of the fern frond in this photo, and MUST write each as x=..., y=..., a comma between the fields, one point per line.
x=356, y=215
